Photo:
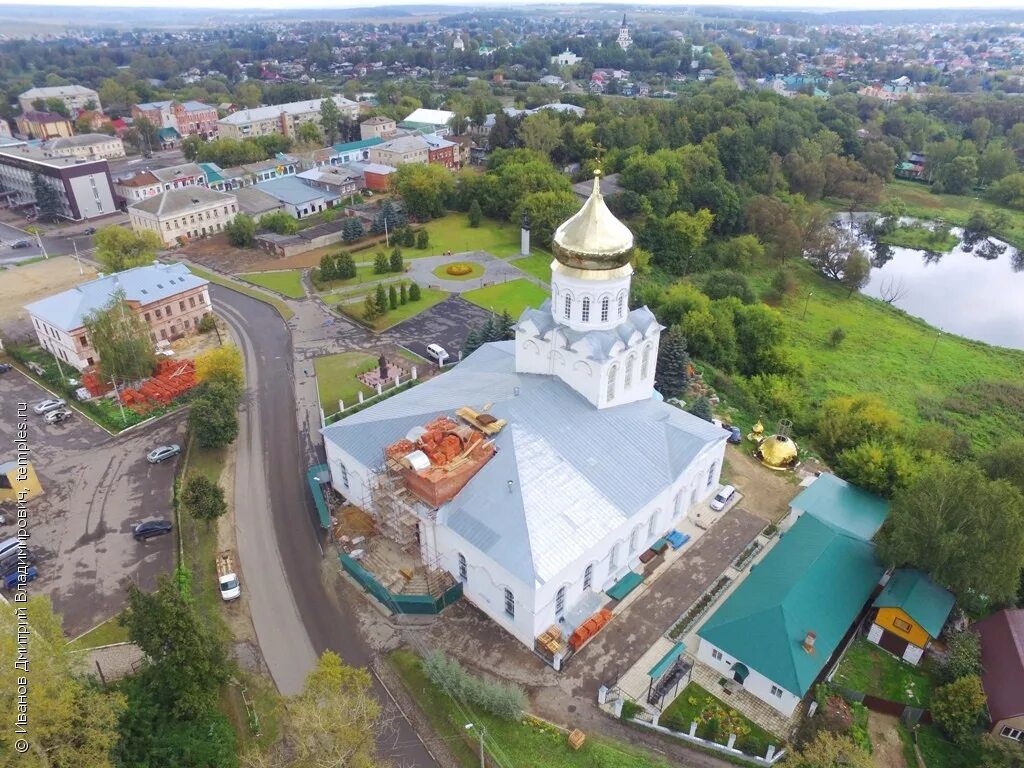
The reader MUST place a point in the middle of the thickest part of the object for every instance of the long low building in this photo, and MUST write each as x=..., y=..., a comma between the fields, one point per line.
x=284, y=119
x=184, y=213
x=168, y=297
x=86, y=146
x=84, y=188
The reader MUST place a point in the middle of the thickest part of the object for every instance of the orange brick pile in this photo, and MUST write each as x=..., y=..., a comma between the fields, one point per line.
x=171, y=380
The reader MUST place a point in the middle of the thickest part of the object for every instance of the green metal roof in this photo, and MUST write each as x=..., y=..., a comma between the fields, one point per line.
x=816, y=579
x=168, y=134
x=358, y=144
x=843, y=506
x=212, y=172
x=665, y=662
x=412, y=125
x=625, y=585
x=919, y=597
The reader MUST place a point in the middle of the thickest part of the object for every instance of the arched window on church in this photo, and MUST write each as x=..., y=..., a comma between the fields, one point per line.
x=613, y=372
x=630, y=365
x=604, y=309
x=568, y=306
x=622, y=304
x=613, y=559
x=645, y=363
x=634, y=540
x=652, y=524
x=711, y=473
x=679, y=502
x=585, y=312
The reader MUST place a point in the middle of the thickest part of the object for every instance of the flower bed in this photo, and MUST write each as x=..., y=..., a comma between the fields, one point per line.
x=698, y=609
x=715, y=721
x=746, y=556
x=459, y=269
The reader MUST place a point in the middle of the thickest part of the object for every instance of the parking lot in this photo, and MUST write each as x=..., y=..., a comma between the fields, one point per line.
x=95, y=489
x=447, y=324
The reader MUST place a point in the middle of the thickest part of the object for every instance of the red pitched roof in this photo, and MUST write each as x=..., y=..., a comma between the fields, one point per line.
x=1002, y=659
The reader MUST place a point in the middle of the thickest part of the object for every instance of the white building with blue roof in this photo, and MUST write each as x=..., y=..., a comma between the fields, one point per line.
x=584, y=466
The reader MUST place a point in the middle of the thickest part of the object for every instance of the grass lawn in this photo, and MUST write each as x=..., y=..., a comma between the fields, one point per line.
x=287, y=282
x=953, y=209
x=921, y=238
x=199, y=540
x=364, y=274
x=869, y=669
x=453, y=233
x=475, y=271
x=518, y=743
x=107, y=633
x=283, y=309
x=514, y=296
x=694, y=703
x=428, y=298
x=336, y=378
x=915, y=369
x=537, y=264
x=939, y=752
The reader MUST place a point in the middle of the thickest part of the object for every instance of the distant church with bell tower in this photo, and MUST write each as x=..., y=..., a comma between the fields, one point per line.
x=624, y=40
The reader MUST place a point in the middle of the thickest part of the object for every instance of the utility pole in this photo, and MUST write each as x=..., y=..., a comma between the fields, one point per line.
x=77, y=257
x=806, y=303
x=480, y=730
x=387, y=239
x=119, y=403
x=42, y=247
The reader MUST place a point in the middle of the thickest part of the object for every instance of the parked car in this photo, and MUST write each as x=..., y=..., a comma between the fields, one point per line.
x=439, y=353
x=48, y=405
x=12, y=580
x=89, y=231
x=151, y=528
x=10, y=561
x=5, y=367
x=163, y=452
x=20, y=244
x=722, y=498
x=735, y=436
x=9, y=547
x=57, y=417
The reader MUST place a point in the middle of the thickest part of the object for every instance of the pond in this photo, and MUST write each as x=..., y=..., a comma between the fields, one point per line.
x=975, y=290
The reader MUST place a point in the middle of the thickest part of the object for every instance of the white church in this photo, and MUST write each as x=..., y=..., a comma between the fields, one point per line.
x=538, y=470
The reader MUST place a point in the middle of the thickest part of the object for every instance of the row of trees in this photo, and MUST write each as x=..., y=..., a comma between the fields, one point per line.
x=228, y=153
x=382, y=300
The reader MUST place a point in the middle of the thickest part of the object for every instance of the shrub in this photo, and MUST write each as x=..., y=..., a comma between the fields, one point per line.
x=381, y=297
x=280, y=223
x=414, y=292
x=475, y=214
x=629, y=709
x=203, y=498
x=963, y=656
x=403, y=294
x=459, y=269
x=422, y=239
x=502, y=700
x=957, y=707
x=783, y=282
x=381, y=263
x=395, y=263
x=835, y=338
x=207, y=323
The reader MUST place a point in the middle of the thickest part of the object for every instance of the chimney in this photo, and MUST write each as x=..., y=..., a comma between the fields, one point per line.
x=808, y=643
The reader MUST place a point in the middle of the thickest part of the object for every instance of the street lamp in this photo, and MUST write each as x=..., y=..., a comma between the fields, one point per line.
x=809, y=294
x=480, y=730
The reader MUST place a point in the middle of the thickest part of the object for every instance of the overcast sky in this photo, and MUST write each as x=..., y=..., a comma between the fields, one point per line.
x=847, y=5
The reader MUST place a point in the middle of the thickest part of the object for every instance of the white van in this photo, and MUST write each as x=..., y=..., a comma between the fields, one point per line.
x=722, y=498
x=437, y=352
x=8, y=546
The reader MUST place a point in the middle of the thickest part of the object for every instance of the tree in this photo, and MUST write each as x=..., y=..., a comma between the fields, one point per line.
x=958, y=706
x=309, y=133
x=414, y=292
x=381, y=298
x=1006, y=462
x=830, y=750
x=213, y=417
x=831, y=250
x=352, y=229
x=846, y=421
x=879, y=159
x=541, y=132
x=248, y=94
x=422, y=239
x=504, y=327
x=395, y=263
x=370, y=309
x=856, y=272
x=676, y=239
x=425, y=189
x=879, y=467
x=958, y=176
x=73, y=722
x=965, y=530
x=330, y=117
x=672, y=373
x=392, y=297
x=47, y=199
x=187, y=659
x=223, y=364
x=381, y=263
x=701, y=408
x=403, y=294
x=121, y=340
x=406, y=237
x=241, y=231
x=547, y=210
x=148, y=134
x=475, y=214
x=739, y=253
x=760, y=337
x=1000, y=752
x=203, y=498
x=720, y=285
x=118, y=248
x=474, y=340
x=962, y=658
x=279, y=222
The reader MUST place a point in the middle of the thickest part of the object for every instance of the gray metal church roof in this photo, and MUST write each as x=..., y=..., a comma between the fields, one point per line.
x=577, y=472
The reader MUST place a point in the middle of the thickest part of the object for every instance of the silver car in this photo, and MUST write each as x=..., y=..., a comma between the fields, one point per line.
x=58, y=416
x=163, y=452
x=48, y=405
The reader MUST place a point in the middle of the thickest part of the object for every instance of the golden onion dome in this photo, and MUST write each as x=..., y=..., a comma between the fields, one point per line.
x=777, y=451
x=593, y=238
x=758, y=428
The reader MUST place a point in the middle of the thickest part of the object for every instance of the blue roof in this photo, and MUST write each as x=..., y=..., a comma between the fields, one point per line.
x=358, y=144
x=294, y=191
x=843, y=505
x=155, y=282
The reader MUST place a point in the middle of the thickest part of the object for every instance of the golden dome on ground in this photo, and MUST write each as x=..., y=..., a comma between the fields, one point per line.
x=777, y=452
x=593, y=238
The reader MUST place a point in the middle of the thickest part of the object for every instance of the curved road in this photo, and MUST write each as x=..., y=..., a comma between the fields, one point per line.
x=294, y=616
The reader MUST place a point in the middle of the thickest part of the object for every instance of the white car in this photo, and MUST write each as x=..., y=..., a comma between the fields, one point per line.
x=722, y=498
x=57, y=417
x=48, y=405
x=439, y=353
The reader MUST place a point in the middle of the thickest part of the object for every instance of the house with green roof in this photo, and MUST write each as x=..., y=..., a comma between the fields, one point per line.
x=909, y=613
x=776, y=633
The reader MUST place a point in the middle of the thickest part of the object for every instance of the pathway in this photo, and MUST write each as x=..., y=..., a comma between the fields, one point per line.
x=496, y=270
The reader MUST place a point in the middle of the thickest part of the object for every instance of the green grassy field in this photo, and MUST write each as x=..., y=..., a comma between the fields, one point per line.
x=537, y=264
x=939, y=752
x=475, y=271
x=920, y=238
x=287, y=282
x=869, y=669
x=336, y=378
x=689, y=707
x=453, y=233
x=199, y=540
x=917, y=370
x=519, y=743
x=107, y=633
x=953, y=209
x=283, y=309
x=428, y=298
x=513, y=296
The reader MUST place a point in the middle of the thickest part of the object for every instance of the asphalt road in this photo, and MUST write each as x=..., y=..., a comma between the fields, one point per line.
x=279, y=547
x=55, y=243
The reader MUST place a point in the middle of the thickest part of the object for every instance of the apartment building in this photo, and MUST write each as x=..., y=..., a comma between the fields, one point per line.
x=43, y=125
x=442, y=152
x=284, y=119
x=184, y=213
x=168, y=297
x=145, y=184
x=86, y=146
x=75, y=98
x=188, y=118
x=83, y=187
x=401, y=151
x=377, y=128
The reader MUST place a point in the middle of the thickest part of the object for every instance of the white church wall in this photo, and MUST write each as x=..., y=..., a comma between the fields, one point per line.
x=349, y=477
x=756, y=684
x=585, y=298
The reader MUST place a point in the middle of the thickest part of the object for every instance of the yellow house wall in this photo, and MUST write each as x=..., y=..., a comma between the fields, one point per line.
x=1012, y=722
x=916, y=635
x=30, y=483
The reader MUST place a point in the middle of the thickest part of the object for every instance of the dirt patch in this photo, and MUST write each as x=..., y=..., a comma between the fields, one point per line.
x=32, y=282
x=766, y=492
x=218, y=253
x=885, y=741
